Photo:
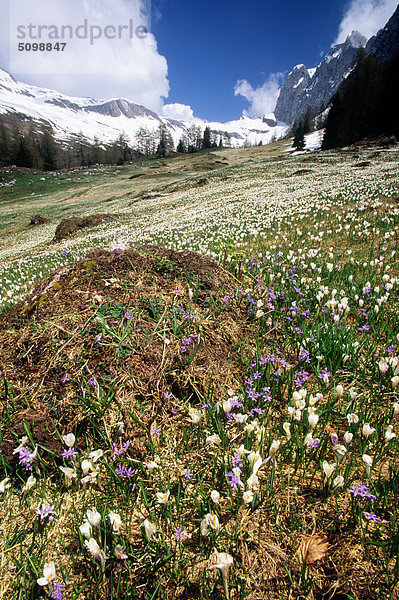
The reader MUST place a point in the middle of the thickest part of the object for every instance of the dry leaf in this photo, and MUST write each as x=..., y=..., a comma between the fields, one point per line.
x=312, y=548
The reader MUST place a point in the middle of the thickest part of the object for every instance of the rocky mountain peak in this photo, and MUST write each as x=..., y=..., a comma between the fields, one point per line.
x=315, y=89
x=356, y=39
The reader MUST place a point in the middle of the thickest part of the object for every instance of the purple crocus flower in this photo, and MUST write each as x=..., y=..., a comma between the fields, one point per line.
x=69, y=453
x=45, y=511
x=58, y=594
x=371, y=517
x=179, y=533
x=361, y=490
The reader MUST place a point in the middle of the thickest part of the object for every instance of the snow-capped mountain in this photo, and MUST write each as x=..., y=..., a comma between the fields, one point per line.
x=106, y=119
x=316, y=87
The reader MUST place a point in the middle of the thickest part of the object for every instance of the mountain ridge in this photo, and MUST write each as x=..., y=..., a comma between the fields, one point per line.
x=105, y=119
x=316, y=87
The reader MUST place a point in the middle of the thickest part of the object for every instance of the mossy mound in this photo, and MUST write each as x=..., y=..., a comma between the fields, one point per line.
x=139, y=323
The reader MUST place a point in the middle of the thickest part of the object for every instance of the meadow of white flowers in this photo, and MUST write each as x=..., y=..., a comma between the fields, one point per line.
x=226, y=486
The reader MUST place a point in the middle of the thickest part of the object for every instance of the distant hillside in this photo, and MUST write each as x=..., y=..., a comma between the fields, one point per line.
x=104, y=120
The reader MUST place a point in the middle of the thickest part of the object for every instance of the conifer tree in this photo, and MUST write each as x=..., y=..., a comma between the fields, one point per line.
x=299, y=138
x=5, y=146
x=48, y=151
x=206, y=141
x=25, y=152
x=181, y=147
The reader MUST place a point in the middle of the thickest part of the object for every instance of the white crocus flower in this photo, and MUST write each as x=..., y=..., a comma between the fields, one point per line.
x=248, y=496
x=4, y=485
x=287, y=429
x=151, y=466
x=367, y=430
x=389, y=434
x=348, y=437
x=352, y=418
x=195, y=415
x=313, y=419
x=213, y=521
x=69, y=440
x=308, y=439
x=95, y=550
x=338, y=481
x=96, y=455
x=253, y=482
x=298, y=414
x=48, y=574
x=240, y=418
x=255, y=460
x=149, y=529
x=328, y=468
x=383, y=366
x=227, y=405
x=353, y=393
x=339, y=451
x=22, y=444
x=213, y=440
x=86, y=466
x=368, y=461
x=215, y=496
x=163, y=497
x=93, y=517
x=69, y=472
x=90, y=478
x=249, y=427
x=209, y=521
x=275, y=445
x=223, y=562
x=204, y=527
x=395, y=381
x=116, y=522
x=30, y=482
x=85, y=529
x=339, y=391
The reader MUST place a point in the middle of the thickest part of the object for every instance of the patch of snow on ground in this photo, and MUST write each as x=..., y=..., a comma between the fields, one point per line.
x=314, y=140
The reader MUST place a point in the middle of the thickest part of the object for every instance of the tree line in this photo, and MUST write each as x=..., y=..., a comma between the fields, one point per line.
x=37, y=148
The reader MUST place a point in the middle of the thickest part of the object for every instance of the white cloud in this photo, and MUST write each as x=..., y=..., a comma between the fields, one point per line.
x=124, y=64
x=180, y=112
x=263, y=98
x=366, y=16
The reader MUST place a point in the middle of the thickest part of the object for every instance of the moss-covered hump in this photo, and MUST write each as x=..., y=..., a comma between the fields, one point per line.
x=124, y=319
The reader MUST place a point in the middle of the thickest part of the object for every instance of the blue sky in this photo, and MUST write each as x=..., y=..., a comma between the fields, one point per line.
x=213, y=59
x=211, y=44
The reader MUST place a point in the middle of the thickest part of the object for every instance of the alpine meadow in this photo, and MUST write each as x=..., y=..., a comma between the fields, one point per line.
x=199, y=341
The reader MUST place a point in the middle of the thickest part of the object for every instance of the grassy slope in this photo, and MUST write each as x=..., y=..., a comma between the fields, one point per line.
x=303, y=237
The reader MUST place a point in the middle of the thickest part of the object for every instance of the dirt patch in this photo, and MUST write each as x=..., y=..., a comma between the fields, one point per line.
x=72, y=224
x=364, y=163
x=35, y=422
x=302, y=172
x=38, y=220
